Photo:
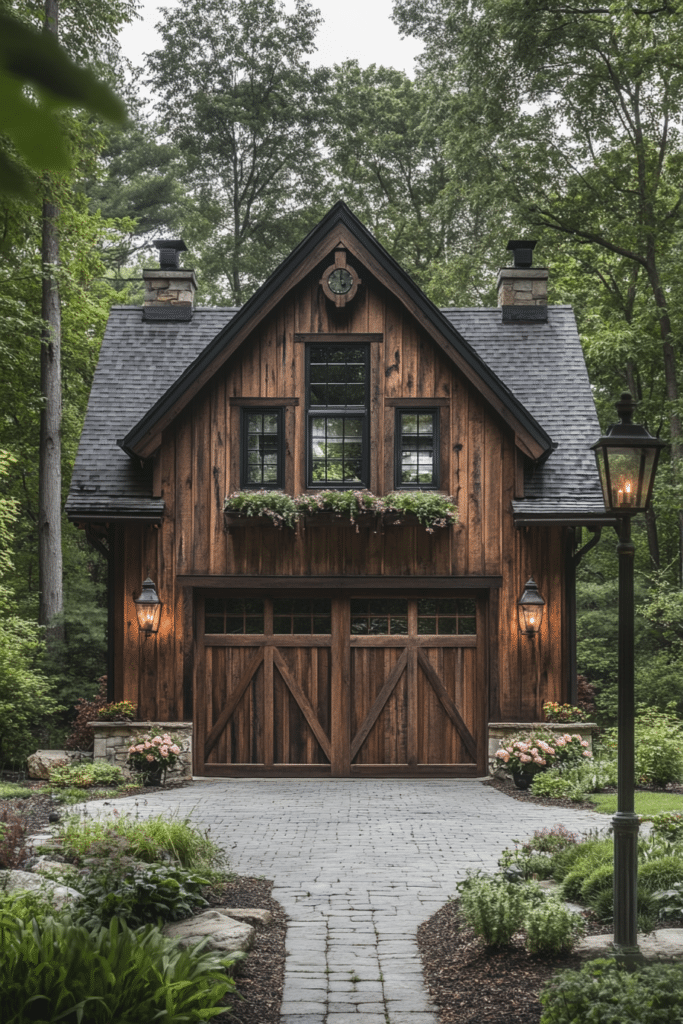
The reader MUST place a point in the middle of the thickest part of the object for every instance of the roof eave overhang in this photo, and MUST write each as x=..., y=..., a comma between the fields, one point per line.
x=563, y=519
x=339, y=226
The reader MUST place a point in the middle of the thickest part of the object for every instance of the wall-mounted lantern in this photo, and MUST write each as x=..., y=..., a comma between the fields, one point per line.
x=148, y=608
x=530, y=609
x=627, y=458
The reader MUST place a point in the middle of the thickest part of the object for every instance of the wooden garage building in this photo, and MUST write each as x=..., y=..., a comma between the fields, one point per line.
x=328, y=650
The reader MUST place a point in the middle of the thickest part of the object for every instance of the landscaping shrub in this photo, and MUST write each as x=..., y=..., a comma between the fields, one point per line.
x=493, y=907
x=82, y=736
x=12, y=839
x=534, y=857
x=13, y=791
x=115, y=885
x=85, y=774
x=603, y=993
x=551, y=928
x=117, y=711
x=578, y=781
x=659, y=747
x=59, y=971
x=151, y=839
x=667, y=825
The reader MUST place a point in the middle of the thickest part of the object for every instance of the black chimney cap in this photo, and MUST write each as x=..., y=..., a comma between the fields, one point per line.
x=169, y=252
x=170, y=243
x=522, y=250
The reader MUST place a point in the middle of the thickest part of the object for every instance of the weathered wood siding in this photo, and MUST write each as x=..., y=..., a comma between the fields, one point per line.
x=199, y=465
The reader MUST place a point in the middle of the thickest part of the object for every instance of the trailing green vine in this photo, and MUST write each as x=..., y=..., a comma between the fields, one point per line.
x=432, y=510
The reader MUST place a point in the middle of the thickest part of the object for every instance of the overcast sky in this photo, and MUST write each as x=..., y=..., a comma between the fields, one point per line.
x=352, y=29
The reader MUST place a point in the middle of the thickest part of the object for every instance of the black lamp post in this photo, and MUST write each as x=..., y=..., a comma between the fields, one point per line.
x=627, y=458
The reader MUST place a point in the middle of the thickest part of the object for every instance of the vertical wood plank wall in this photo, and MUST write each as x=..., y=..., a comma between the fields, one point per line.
x=199, y=465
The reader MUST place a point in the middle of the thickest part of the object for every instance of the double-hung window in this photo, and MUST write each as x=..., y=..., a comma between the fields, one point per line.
x=337, y=411
x=262, y=448
x=417, y=448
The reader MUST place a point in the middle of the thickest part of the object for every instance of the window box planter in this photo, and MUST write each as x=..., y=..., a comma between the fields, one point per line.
x=364, y=521
x=241, y=519
x=392, y=519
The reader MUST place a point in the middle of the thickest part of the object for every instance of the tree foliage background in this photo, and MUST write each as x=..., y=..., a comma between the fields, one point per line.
x=542, y=119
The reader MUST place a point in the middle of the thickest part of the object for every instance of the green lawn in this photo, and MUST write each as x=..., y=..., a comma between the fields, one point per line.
x=645, y=803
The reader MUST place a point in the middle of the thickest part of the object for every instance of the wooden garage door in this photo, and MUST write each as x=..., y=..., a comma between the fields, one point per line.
x=344, y=686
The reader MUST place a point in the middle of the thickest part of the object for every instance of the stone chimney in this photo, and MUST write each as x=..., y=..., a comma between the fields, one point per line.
x=170, y=289
x=523, y=289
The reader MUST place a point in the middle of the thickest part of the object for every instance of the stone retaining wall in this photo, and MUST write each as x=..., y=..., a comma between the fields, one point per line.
x=112, y=740
x=500, y=732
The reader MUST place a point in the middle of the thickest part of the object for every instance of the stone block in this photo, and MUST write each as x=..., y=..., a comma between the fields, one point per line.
x=40, y=763
x=225, y=935
x=249, y=915
x=27, y=881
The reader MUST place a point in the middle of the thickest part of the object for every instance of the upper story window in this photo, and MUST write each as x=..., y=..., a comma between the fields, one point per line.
x=337, y=410
x=417, y=448
x=262, y=448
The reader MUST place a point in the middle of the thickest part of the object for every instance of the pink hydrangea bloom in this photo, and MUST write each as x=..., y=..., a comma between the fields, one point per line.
x=140, y=747
x=150, y=757
x=147, y=744
x=175, y=749
x=587, y=753
x=163, y=750
x=524, y=757
x=567, y=738
x=157, y=741
x=131, y=750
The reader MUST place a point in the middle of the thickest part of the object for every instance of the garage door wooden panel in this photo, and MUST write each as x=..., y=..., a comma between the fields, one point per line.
x=357, y=686
x=301, y=724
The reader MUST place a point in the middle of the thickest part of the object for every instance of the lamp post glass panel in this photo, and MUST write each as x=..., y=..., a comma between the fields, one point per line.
x=627, y=458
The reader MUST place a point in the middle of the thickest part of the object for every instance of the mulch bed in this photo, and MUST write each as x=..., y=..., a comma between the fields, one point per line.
x=471, y=985
x=260, y=977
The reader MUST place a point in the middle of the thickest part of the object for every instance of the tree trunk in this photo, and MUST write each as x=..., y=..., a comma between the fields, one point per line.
x=671, y=382
x=50, y=461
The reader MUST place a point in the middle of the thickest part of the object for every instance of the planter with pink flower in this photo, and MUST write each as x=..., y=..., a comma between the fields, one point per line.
x=527, y=754
x=153, y=756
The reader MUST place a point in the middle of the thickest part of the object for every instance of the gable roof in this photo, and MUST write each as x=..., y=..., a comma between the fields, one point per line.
x=340, y=225
x=147, y=371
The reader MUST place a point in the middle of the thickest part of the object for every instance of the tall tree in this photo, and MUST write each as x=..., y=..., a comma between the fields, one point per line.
x=50, y=464
x=576, y=108
x=237, y=95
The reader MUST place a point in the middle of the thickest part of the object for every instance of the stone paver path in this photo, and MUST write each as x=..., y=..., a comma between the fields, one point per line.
x=358, y=865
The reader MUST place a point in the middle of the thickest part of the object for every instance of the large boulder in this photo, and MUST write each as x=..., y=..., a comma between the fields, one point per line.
x=40, y=763
x=27, y=881
x=224, y=933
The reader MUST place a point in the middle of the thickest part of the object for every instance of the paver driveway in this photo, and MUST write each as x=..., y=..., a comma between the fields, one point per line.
x=358, y=865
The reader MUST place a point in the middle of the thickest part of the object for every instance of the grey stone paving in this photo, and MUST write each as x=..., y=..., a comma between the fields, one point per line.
x=358, y=865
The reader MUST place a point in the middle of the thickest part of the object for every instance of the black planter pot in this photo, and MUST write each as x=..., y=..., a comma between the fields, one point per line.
x=153, y=776
x=523, y=780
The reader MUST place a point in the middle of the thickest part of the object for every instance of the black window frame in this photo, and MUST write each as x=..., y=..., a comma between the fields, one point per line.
x=435, y=412
x=265, y=409
x=338, y=411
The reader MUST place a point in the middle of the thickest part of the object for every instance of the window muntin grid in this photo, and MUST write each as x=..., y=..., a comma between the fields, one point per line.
x=379, y=617
x=337, y=411
x=417, y=448
x=439, y=616
x=234, y=615
x=262, y=448
x=302, y=615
